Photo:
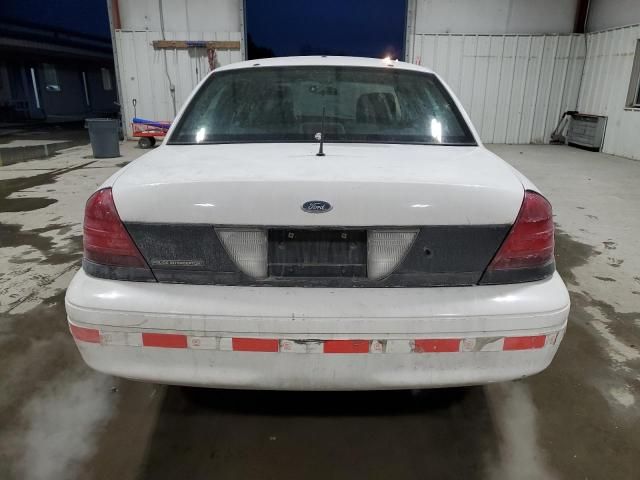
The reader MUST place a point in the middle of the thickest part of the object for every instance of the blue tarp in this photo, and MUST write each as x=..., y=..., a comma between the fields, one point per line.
x=151, y=123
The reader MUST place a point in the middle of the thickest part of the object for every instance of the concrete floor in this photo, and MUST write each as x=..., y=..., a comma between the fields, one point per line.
x=579, y=419
x=39, y=141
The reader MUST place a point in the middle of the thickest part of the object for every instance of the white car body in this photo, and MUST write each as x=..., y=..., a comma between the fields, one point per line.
x=318, y=337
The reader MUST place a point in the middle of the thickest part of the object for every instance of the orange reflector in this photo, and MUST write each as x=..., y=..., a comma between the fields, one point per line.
x=346, y=346
x=524, y=343
x=165, y=340
x=437, y=345
x=90, y=335
x=254, y=345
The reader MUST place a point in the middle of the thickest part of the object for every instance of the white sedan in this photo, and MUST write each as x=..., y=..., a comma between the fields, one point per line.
x=319, y=223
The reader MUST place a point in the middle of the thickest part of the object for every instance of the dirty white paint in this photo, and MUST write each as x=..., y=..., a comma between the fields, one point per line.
x=515, y=415
x=607, y=74
x=54, y=444
x=514, y=87
x=143, y=74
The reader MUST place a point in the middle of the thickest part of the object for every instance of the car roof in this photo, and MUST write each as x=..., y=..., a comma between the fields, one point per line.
x=331, y=61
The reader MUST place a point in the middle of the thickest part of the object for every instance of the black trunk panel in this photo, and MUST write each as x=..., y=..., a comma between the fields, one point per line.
x=440, y=256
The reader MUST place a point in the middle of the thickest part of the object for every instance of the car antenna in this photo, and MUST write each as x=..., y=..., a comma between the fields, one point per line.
x=320, y=136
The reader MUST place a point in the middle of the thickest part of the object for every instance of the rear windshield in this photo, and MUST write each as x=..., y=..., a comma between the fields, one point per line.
x=286, y=104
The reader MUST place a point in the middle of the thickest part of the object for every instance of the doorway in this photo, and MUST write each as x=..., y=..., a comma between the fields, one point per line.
x=280, y=28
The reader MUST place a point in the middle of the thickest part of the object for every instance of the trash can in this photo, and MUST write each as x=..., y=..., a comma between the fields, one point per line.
x=104, y=136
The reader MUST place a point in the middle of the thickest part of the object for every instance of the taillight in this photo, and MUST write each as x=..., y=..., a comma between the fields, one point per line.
x=527, y=253
x=386, y=249
x=247, y=248
x=109, y=251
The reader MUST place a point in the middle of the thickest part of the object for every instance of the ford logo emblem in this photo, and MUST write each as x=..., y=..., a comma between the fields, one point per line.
x=316, y=206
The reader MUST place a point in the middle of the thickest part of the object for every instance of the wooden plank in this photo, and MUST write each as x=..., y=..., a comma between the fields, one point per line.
x=183, y=44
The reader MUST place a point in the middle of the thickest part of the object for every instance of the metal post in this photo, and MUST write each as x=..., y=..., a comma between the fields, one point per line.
x=243, y=30
x=410, y=30
x=86, y=89
x=35, y=86
x=112, y=24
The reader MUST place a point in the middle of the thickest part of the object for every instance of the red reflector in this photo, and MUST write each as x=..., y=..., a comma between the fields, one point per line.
x=90, y=335
x=529, y=244
x=437, y=345
x=254, y=345
x=165, y=340
x=105, y=239
x=524, y=343
x=346, y=346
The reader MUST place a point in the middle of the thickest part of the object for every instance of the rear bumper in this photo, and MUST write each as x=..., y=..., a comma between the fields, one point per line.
x=317, y=338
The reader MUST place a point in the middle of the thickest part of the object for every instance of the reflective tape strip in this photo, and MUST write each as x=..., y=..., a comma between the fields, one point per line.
x=524, y=343
x=399, y=346
x=346, y=346
x=301, y=346
x=164, y=340
x=254, y=344
x=313, y=346
x=437, y=345
x=226, y=344
x=83, y=334
x=377, y=346
x=121, y=338
x=482, y=344
x=204, y=343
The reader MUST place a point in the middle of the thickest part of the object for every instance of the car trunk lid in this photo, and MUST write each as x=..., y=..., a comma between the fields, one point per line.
x=392, y=215
x=365, y=184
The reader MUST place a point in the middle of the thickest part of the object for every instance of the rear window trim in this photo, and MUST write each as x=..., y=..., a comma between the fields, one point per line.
x=437, y=82
x=327, y=142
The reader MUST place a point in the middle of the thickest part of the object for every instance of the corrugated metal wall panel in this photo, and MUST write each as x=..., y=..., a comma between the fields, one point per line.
x=185, y=15
x=607, y=74
x=514, y=87
x=144, y=77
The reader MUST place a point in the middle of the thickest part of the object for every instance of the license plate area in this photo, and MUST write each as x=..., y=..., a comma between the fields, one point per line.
x=317, y=253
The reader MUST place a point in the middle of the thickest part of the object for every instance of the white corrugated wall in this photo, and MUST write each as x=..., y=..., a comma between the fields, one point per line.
x=514, y=87
x=143, y=75
x=605, y=84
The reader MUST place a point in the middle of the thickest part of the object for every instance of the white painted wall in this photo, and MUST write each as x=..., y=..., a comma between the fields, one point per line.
x=143, y=74
x=605, y=84
x=514, y=87
x=495, y=16
x=181, y=15
x=605, y=14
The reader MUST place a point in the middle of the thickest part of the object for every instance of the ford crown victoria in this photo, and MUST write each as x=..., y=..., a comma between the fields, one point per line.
x=319, y=223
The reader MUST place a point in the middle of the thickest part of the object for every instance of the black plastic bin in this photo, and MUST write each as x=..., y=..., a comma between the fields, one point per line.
x=104, y=136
